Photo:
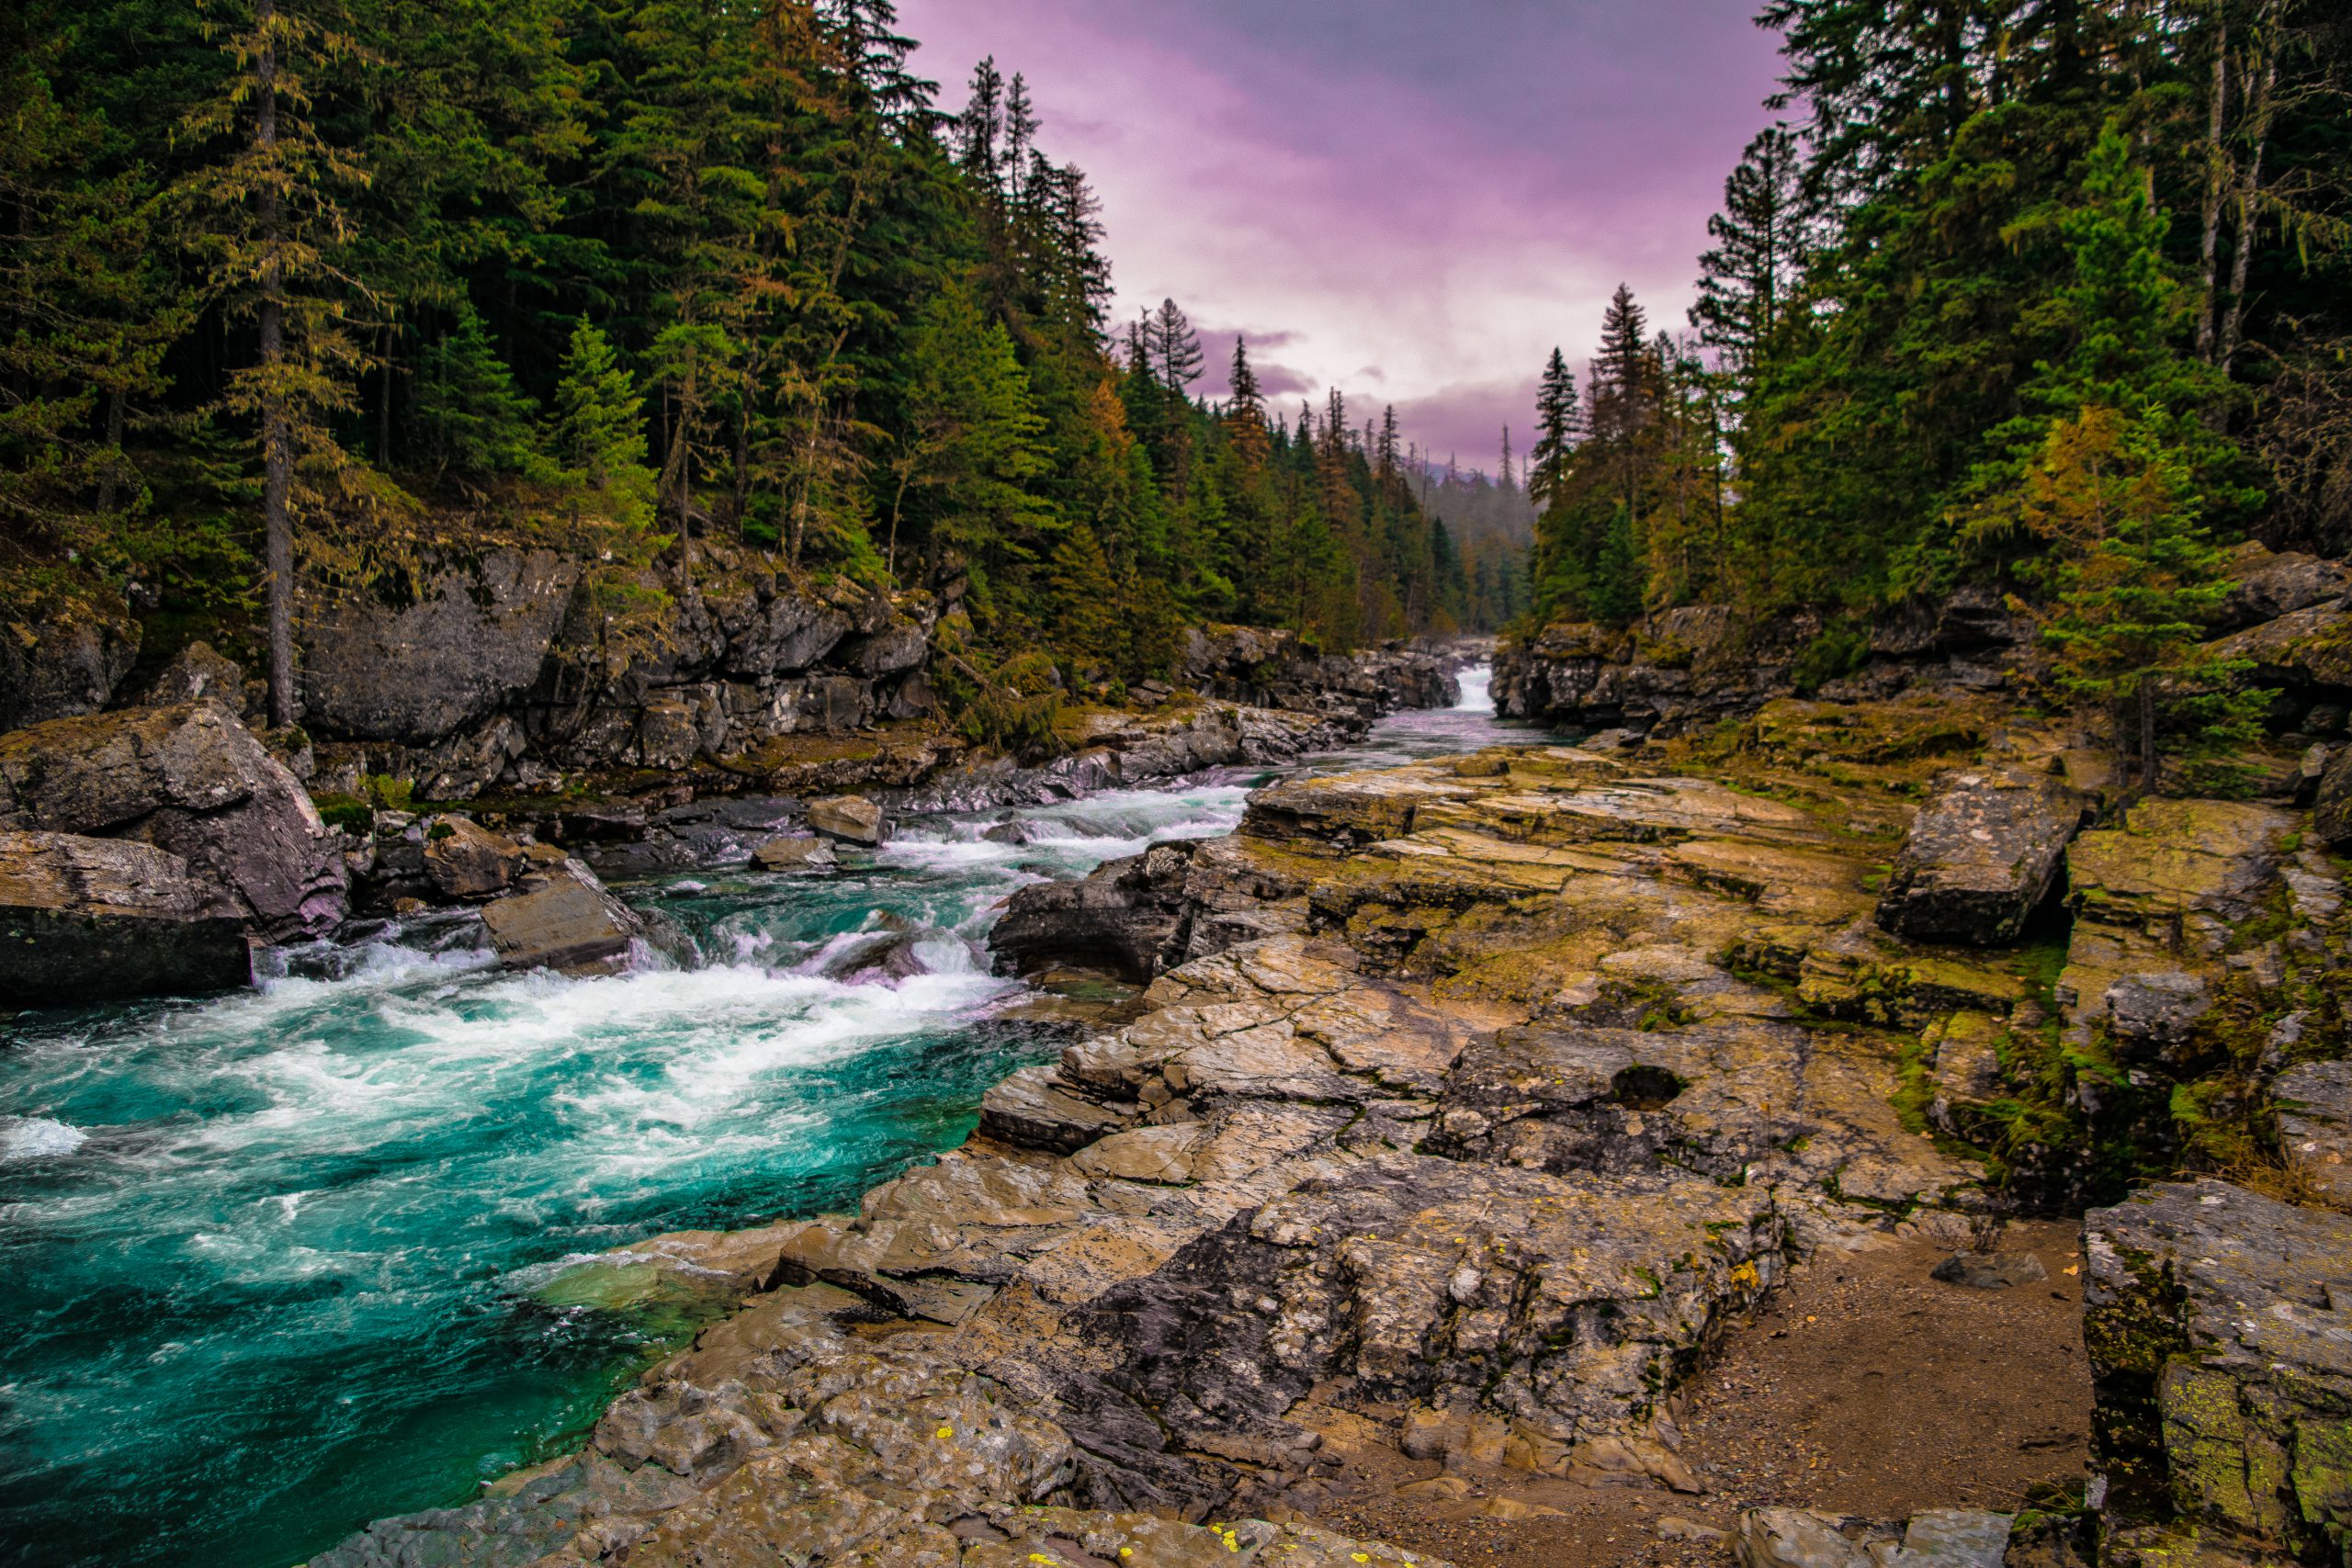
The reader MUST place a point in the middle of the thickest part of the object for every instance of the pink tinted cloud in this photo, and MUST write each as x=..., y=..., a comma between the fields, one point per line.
x=1417, y=201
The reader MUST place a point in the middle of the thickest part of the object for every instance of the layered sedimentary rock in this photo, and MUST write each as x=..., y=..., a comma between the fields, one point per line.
x=97, y=919
x=191, y=779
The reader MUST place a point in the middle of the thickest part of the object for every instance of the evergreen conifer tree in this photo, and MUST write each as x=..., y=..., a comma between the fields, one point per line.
x=470, y=415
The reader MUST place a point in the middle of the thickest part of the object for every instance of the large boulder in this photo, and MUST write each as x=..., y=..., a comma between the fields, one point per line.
x=99, y=919
x=852, y=819
x=193, y=780
x=465, y=860
x=2271, y=583
x=1981, y=856
x=196, y=671
x=66, y=663
x=564, y=919
x=1130, y=917
x=468, y=639
x=2214, y=1319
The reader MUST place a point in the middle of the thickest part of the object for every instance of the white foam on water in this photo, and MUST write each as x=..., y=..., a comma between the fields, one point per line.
x=1478, y=690
x=37, y=1137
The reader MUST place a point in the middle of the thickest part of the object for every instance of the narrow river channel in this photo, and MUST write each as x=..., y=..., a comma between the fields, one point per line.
x=275, y=1263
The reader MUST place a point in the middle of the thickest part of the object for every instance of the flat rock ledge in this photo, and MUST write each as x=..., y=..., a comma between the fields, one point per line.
x=1449, y=1128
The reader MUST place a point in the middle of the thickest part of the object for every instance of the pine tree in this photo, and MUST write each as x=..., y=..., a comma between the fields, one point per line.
x=468, y=410
x=1555, y=433
x=1761, y=237
x=269, y=224
x=1175, y=349
x=595, y=435
x=1245, y=417
x=2117, y=484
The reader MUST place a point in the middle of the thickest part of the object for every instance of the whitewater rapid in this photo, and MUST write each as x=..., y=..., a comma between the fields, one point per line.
x=274, y=1256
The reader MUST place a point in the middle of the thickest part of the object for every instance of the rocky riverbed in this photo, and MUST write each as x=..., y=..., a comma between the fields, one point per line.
x=1477, y=1106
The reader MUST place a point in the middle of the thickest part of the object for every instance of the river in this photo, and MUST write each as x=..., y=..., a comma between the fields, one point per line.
x=275, y=1263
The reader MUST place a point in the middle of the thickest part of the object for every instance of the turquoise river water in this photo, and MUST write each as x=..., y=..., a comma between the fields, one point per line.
x=272, y=1261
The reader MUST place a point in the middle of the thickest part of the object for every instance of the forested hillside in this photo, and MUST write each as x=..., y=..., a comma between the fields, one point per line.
x=308, y=287
x=2046, y=295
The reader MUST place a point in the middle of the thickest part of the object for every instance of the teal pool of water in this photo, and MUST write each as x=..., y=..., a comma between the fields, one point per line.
x=270, y=1258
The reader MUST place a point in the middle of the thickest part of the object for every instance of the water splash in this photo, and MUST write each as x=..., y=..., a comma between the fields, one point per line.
x=275, y=1259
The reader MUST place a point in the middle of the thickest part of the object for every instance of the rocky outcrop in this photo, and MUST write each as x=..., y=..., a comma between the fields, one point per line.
x=1982, y=855
x=2316, y=1128
x=416, y=667
x=193, y=781
x=2271, y=583
x=99, y=920
x=1275, y=668
x=66, y=662
x=1683, y=669
x=1309, y=1191
x=2214, y=1318
x=786, y=1436
x=465, y=860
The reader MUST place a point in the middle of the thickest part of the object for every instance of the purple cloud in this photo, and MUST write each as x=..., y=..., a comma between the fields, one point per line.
x=1417, y=201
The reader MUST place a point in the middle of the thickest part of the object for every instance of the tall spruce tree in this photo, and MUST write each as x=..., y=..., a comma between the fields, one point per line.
x=268, y=219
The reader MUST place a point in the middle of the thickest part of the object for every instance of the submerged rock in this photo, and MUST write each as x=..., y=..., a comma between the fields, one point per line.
x=192, y=779
x=1981, y=856
x=99, y=920
x=809, y=854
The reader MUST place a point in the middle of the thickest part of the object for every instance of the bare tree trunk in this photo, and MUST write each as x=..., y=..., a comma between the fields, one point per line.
x=2257, y=122
x=742, y=501
x=2210, y=247
x=384, y=415
x=109, y=488
x=277, y=438
x=2147, y=735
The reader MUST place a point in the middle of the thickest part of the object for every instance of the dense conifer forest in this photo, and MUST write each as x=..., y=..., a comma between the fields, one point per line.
x=2039, y=295
x=346, y=283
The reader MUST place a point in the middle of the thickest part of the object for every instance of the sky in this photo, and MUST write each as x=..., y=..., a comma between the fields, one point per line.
x=1414, y=200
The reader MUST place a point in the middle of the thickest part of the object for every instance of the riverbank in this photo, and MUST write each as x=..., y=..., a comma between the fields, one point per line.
x=1478, y=1105
x=286, y=1255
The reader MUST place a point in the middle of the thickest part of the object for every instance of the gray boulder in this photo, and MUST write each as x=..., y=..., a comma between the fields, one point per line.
x=58, y=666
x=2315, y=1127
x=99, y=919
x=563, y=920
x=795, y=854
x=1981, y=855
x=852, y=819
x=1130, y=917
x=471, y=638
x=2214, y=1318
x=190, y=779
